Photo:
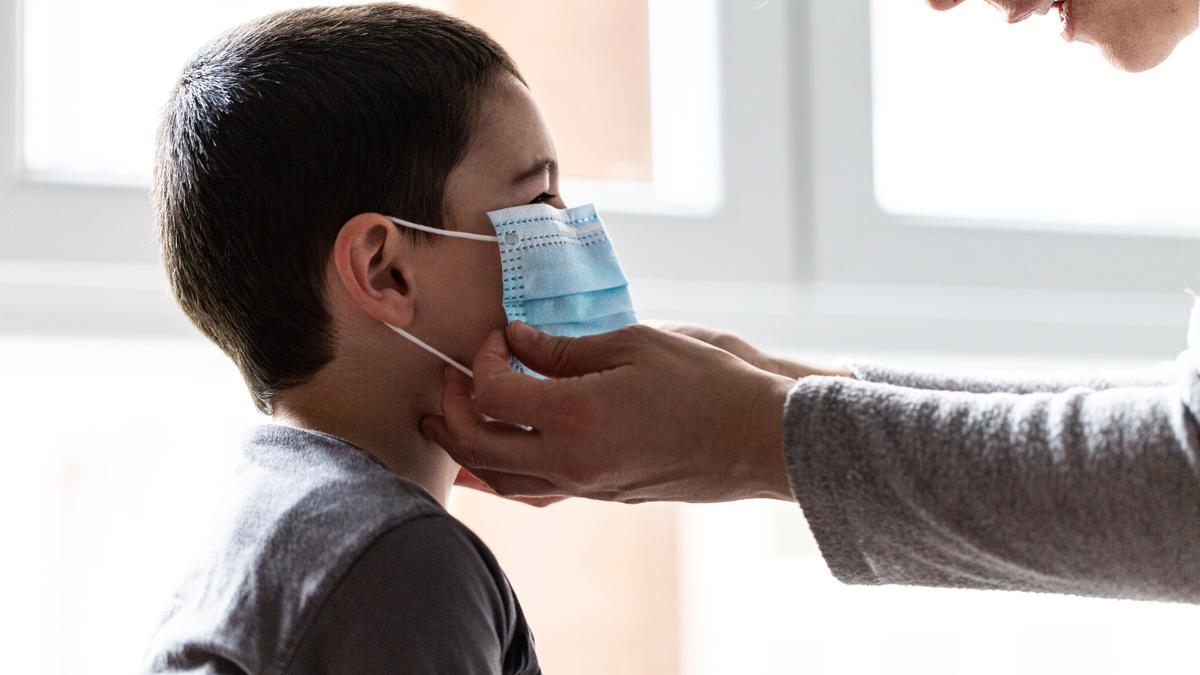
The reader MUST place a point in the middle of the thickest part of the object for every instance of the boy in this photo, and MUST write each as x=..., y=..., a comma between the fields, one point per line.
x=283, y=150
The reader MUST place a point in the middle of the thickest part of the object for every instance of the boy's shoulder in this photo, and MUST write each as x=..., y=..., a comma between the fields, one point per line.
x=325, y=561
x=424, y=597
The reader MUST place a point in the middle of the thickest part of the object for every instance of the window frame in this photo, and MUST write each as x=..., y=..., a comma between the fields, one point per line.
x=65, y=218
x=58, y=220
x=856, y=241
x=795, y=257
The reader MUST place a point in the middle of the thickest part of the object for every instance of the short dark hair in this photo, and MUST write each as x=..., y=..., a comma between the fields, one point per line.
x=281, y=130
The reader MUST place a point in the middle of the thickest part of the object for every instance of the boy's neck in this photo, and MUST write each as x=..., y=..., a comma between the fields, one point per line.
x=383, y=420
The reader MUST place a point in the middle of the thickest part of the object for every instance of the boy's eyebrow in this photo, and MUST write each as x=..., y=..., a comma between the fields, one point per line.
x=545, y=165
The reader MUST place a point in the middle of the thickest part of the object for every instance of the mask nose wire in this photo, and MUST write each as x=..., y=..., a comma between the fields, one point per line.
x=413, y=338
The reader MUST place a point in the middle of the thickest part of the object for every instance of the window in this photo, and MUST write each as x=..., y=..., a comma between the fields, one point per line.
x=770, y=170
x=762, y=601
x=109, y=501
x=92, y=101
x=78, y=106
x=649, y=146
x=953, y=150
x=110, y=504
x=964, y=103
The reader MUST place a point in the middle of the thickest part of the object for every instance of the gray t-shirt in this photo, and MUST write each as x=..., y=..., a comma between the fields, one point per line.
x=324, y=561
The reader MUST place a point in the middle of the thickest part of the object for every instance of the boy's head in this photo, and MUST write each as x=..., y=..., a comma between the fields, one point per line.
x=283, y=147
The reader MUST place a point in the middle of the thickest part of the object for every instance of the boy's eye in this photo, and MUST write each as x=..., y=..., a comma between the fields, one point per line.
x=543, y=198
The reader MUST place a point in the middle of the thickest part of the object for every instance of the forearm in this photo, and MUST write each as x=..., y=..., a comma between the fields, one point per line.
x=1162, y=375
x=1085, y=492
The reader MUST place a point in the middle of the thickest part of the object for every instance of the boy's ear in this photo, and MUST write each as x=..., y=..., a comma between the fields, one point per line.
x=372, y=258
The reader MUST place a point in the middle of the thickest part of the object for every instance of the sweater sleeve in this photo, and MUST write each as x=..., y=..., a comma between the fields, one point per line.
x=1082, y=491
x=1161, y=375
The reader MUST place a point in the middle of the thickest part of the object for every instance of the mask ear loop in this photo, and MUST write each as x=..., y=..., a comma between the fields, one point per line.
x=445, y=233
x=429, y=348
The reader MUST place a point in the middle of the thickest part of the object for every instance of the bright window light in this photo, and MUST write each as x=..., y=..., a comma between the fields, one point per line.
x=118, y=459
x=629, y=87
x=122, y=452
x=975, y=119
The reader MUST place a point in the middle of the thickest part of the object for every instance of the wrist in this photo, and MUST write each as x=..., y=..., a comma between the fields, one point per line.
x=769, y=477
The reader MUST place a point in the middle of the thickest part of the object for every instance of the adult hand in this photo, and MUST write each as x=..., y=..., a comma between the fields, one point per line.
x=747, y=352
x=634, y=415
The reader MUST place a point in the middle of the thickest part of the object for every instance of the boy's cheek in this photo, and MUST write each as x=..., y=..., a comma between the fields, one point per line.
x=487, y=307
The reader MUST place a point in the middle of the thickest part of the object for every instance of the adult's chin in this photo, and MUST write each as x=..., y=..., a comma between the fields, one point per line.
x=1133, y=38
x=1135, y=57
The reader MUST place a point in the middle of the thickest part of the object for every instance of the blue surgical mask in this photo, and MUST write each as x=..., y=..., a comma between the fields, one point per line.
x=559, y=272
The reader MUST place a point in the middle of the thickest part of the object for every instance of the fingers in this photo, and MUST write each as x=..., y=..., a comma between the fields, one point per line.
x=477, y=425
x=497, y=391
x=473, y=440
x=557, y=356
x=493, y=356
x=702, y=333
x=942, y=5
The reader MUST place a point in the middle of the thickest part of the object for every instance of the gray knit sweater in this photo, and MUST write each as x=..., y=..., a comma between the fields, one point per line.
x=1090, y=488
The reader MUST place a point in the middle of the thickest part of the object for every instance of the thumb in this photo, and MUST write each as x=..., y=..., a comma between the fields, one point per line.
x=557, y=356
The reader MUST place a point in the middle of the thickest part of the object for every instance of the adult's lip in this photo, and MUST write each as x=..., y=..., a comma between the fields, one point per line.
x=1068, y=19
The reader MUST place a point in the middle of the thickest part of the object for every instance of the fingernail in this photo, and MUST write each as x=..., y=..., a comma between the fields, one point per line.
x=522, y=332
